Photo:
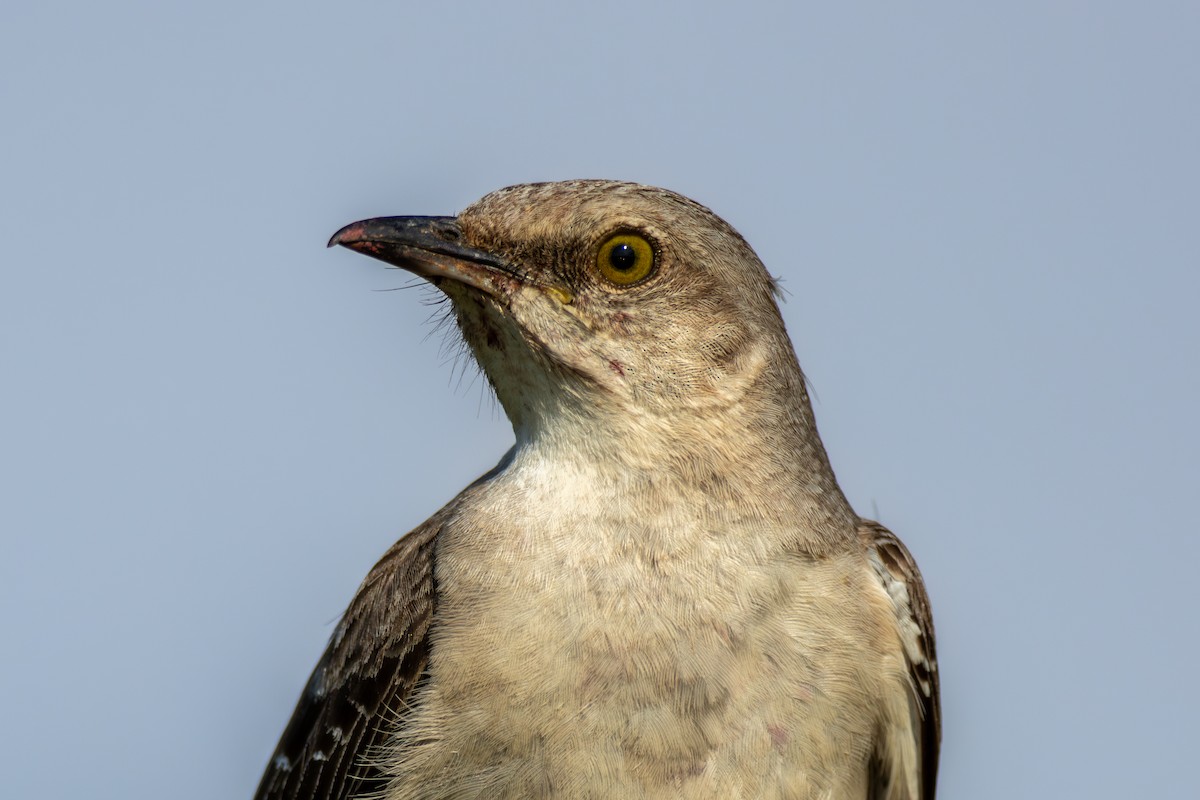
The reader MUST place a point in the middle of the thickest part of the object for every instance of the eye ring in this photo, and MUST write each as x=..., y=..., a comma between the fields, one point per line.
x=626, y=258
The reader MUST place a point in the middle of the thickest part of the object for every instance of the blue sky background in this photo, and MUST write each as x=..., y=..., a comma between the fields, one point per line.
x=986, y=219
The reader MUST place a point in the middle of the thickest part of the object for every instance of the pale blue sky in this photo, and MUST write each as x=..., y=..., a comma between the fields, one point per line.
x=987, y=221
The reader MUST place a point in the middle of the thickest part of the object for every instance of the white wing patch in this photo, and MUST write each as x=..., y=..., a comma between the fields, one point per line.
x=911, y=635
x=909, y=756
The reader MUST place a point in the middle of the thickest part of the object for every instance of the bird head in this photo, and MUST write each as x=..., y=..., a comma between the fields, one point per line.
x=599, y=302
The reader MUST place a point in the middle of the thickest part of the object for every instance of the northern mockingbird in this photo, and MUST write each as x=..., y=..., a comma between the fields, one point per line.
x=660, y=591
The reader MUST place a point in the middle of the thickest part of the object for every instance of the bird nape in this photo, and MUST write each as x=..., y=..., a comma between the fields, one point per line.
x=660, y=591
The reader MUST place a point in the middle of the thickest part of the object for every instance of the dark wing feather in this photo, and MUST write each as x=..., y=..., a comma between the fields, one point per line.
x=902, y=580
x=375, y=658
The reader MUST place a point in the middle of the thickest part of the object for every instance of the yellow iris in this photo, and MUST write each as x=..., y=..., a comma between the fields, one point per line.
x=625, y=259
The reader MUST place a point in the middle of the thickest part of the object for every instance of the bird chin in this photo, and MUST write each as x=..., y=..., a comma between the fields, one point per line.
x=480, y=321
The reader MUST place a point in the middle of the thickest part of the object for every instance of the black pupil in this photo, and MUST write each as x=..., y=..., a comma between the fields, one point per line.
x=622, y=257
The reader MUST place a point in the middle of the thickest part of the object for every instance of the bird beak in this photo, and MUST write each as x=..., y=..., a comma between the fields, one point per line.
x=430, y=247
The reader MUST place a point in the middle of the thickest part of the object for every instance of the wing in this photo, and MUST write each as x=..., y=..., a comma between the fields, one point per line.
x=376, y=656
x=901, y=580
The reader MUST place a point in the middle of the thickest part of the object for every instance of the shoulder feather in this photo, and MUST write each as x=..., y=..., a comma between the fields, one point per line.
x=901, y=580
x=358, y=690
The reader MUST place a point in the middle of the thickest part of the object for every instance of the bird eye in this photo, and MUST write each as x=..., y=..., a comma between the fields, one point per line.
x=625, y=259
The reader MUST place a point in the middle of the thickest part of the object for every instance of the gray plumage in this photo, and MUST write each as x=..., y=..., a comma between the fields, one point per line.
x=660, y=591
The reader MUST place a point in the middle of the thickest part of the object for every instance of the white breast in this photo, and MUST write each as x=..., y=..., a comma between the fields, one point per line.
x=595, y=638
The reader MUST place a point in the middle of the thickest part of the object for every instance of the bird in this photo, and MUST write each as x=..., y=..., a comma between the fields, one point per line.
x=660, y=591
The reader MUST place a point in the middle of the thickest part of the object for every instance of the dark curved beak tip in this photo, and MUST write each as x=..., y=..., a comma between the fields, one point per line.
x=347, y=235
x=431, y=247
